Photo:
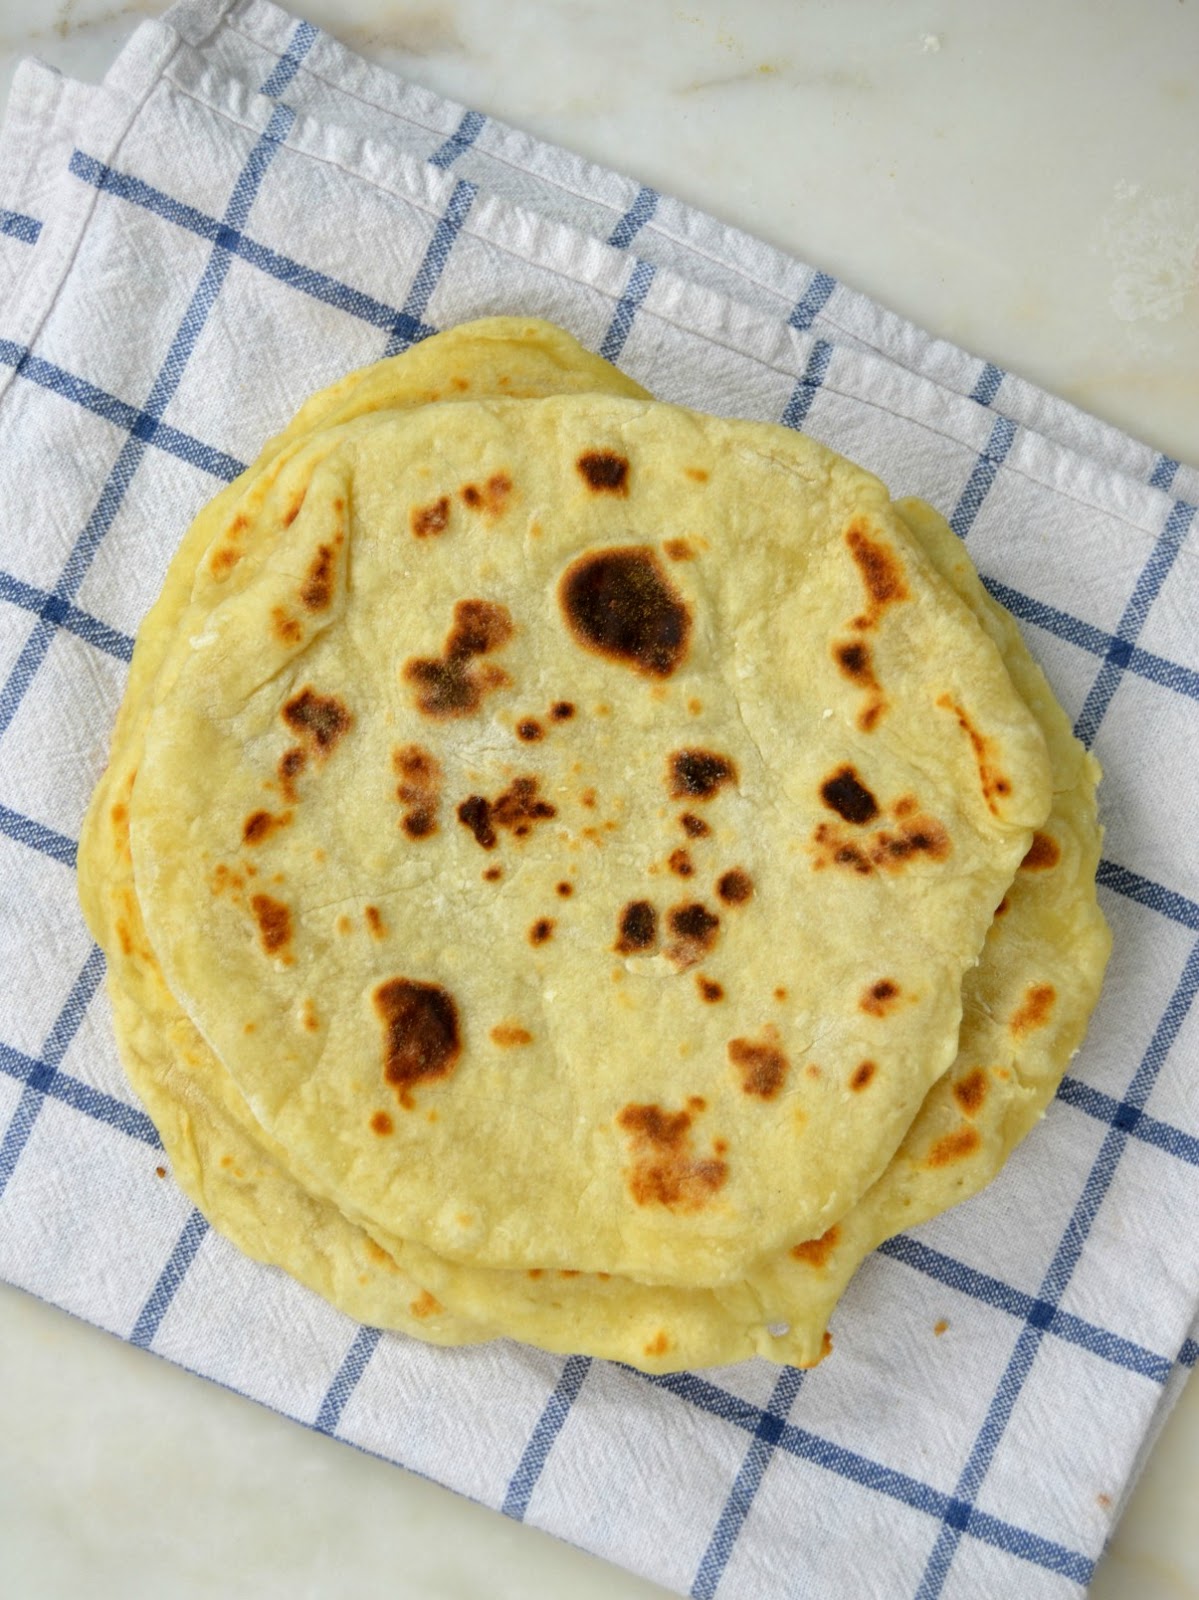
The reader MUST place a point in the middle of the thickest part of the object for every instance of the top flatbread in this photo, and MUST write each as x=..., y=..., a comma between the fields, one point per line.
x=632, y=562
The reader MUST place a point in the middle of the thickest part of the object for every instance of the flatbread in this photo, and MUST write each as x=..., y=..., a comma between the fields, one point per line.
x=313, y=662
x=228, y=1165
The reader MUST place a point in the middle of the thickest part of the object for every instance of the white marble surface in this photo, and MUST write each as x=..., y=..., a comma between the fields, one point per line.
x=1020, y=178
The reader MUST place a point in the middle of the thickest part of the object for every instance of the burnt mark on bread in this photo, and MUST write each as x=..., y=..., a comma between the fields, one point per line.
x=846, y=794
x=454, y=684
x=419, y=789
x=693, y=930
x=665, y=1169
x=971, y=1090
x=699, y=774
x=274, y=923
x=518, y=809
x=884, y=850
x=491, y=498
x=735, y=887
x=995, y=785
x=761, y=1064
x=259, y=825
x=638, y=929
x=855, y=661
x=1043, y=855
x=619, y=603
x=316, y=592
x=817, y=1252
x=421, y=1037
x=604, y=472
x=428, y=521
x=320, y=720
x=880, y=998
x=880, y=570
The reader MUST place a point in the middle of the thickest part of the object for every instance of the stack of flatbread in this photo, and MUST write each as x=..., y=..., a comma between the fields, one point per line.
x=578, y=869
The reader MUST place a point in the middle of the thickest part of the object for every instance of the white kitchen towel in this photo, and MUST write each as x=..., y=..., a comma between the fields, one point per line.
x=241, y=213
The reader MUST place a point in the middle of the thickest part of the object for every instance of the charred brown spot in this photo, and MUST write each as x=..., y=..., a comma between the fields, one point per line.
x=535, y=1272
x=475, y=813
x=638, y=928
x=694, y=929
x=659, y=1344
x=374, y=921
x=419, y=823
x=853, y=657
x=971, y=1091
x=542, y=930
x=259, y=825
x=991, y=779
x=604, y=471
x=735, y=887
x=492, y=497
x=293, y=510
x=562, y=710
x=425, y=1305
x=880, y=570
x=291, y=763
x=224, y=558
x=1034, y=1010
x=698, y=774
x=697, y=474
x=709, y=989
x=619, y=603
x=761, y=1064
x=419, y=789
x=510, y=1034
x=428, y=521
x=679, y=550
x=587, y=798
x=856, y=663
x=420, y=1033
x=817, y=1252
x=493, y=874
x=285, y=627
x=879, y=998
x=274, y=922
x=848, y=796
x=565, y=889
x=665, y=1170
x=518, y=809
x=1043, y=853
x=317, y=589
x=381, y=1124
x=681, y=864
x=530, y=730
x=694, y=827
x=862, y=1075
x=954, y=1147
x=319, y=719
x=882, y=851
x=452, y=685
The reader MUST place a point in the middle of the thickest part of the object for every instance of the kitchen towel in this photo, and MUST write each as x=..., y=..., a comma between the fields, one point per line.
x=242, y=212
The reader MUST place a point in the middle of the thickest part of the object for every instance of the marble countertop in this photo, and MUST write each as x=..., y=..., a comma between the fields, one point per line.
x=1019, y=179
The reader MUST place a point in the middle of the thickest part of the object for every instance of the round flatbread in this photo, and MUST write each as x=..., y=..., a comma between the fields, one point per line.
x=664, y=1067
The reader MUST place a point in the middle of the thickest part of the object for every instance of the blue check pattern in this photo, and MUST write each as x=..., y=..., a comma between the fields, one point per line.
x=1026, y=1320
